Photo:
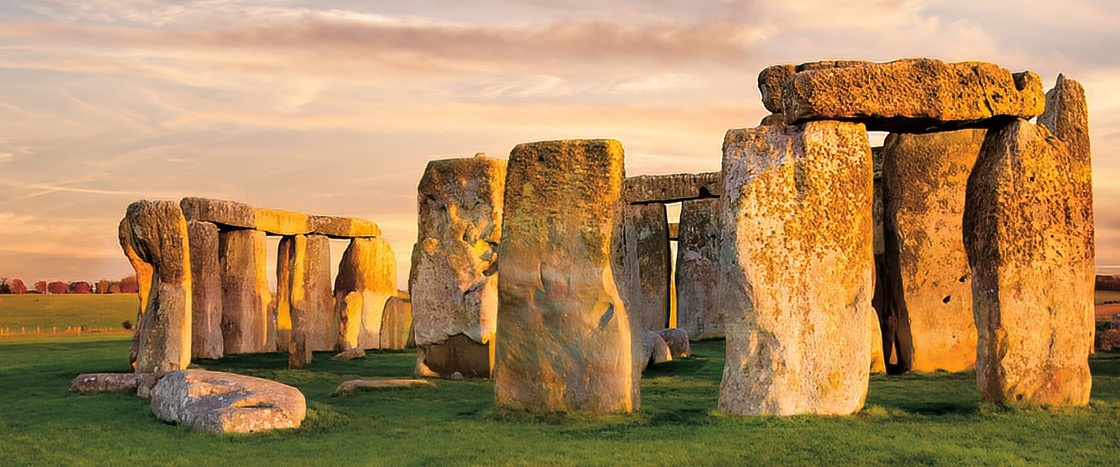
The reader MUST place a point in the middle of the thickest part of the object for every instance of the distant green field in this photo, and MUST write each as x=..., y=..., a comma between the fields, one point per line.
x=46, y=312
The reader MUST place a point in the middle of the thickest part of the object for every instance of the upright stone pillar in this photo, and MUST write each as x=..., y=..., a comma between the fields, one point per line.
x=453, y=280
x=143, y=282
x=643, y=265
x=281, y=308
x=309, y=301
x=930, y=314
x=698, y=269
x=1028, y=231
x=245, y=292
x=206, y=287
x=396, y=324
x=796, y=269
x=156, y=234
x=367, y=278
x=564, y=337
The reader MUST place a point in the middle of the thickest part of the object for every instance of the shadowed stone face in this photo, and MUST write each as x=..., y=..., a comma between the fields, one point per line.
x=1028, y=231
x=642, y=265
x=206, y=285
x=245, y=292
x=930, y=316
x=453, y=281
x=155, y=233
x=367, y=278
x=796, y=266
x=698, y=269
x=564, y=337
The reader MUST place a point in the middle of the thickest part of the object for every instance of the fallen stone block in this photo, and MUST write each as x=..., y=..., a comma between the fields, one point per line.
x=677, y=340
x=219, y=402
x=125, y=383
x=358, y=385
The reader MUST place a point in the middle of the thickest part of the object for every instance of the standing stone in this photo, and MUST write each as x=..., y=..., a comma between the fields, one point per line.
x=396, y=324
x=698, y=269
x=564, y=338
x=367, y=277
x=924, y=178
x=245, y=293
x=796, y=267
x=206, y=286
x=157, y=235
x=308, y=298
x=1028, y=231
x=143, y=282
x=453, y=281
x=643, y=265
x=308, y=286
x=281, y=309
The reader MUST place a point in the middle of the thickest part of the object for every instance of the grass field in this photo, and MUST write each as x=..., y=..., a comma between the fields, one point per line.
x=910, y=419
x=58, y=312
x=1103, y=296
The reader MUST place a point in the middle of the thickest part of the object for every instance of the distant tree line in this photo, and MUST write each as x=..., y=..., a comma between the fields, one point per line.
x=1108, y=283
x=127, y=284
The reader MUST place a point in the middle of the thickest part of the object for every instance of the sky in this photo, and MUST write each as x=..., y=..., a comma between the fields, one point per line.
x=334, y=107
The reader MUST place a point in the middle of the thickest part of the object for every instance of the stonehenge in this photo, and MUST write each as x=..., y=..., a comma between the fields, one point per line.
x=965, y=242
x=213, y=298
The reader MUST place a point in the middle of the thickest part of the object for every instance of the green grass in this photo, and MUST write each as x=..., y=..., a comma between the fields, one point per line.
x=48, y=312
x=912, y=419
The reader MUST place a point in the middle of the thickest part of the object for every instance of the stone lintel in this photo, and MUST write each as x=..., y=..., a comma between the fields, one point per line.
x=232, y=214
x=671, y=188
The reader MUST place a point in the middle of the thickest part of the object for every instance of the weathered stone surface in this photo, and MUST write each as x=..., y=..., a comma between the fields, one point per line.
x=671, y=188
x=697, y=274
x=358, y=385
x=564, y=337
x=796, y=269
x=275, y=221
x=219, y=402
x=924, y=177
x=245, y=293
x=771, y=80
x=911, y=95
x=677, y=340
x=642, y=265
x=206, y=291
x=654, y=350
x=396, y=324
x=127, y=383
x=1067, y=117
x=878, y=360
x=367, y=277
x=143, y=281
x=157, y=235
x=1028, y=231
x=309, y=286
x=453, y=281
x=456, y=355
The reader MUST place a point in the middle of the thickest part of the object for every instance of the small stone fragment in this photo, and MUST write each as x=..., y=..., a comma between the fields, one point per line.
x=90, y=383
x=347, y=355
